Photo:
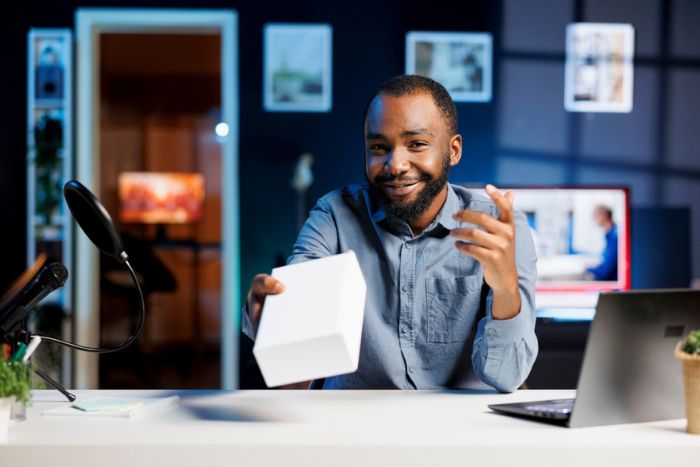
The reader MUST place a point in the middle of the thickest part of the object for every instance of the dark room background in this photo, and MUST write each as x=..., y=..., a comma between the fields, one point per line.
x=523, y=136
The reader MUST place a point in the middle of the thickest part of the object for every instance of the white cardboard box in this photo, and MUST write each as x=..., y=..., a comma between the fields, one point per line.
x=313, y=329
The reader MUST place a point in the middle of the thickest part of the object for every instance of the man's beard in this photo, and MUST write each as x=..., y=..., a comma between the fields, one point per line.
x=409, y=212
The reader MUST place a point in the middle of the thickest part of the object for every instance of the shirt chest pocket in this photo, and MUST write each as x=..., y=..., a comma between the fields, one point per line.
x=453, y=305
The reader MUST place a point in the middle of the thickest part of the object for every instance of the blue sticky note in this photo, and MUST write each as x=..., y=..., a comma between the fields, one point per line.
x=108, y=404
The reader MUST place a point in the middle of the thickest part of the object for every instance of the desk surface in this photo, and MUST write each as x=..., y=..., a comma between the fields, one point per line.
x=353, y=428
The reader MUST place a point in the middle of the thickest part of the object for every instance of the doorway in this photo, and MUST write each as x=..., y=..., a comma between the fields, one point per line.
x=158, y=97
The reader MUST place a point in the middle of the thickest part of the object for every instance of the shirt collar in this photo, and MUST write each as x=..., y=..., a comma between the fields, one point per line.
x=451, y=206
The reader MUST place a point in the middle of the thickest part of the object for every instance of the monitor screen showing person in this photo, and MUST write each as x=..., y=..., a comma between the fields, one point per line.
x=581, y=238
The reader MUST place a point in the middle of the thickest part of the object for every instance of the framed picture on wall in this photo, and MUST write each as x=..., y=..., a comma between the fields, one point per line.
x=297, y=67
x=460, y=61
x=599, y=70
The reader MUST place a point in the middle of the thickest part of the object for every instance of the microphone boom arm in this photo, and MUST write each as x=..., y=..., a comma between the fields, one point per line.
x=122, y=345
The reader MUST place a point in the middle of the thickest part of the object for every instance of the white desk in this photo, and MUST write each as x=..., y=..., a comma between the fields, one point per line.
x=335, y=428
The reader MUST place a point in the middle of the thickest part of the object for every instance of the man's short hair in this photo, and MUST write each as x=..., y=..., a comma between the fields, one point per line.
x=404, y=85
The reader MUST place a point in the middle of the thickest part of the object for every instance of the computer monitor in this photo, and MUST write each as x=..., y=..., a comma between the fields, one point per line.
x=160, y=197
x=582, y=239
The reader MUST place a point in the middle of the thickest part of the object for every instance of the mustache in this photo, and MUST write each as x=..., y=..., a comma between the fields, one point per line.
x=422, y=177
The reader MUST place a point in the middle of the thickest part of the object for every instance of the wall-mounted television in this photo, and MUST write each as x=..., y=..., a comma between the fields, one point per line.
x=582, y=239
x=161, y=197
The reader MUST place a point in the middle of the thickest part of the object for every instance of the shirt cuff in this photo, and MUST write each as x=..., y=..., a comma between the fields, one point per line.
x=504, y=331
x=506, y=348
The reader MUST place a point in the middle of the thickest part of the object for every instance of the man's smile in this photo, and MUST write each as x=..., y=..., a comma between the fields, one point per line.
x=400, y=188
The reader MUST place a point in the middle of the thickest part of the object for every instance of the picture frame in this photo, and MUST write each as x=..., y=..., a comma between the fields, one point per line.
x=297, y=66
x=460, y=61
x=599, y=72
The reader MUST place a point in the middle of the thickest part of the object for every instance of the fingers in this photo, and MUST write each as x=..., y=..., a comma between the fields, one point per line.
x=482, y=238
x=503, y=202
x=262, y=286
x=495, y=243
x=482, y=219
x=510, y=196
x=479, y=253
x=265, y=284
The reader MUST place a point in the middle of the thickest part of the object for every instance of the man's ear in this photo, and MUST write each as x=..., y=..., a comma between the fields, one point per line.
x=455, y=149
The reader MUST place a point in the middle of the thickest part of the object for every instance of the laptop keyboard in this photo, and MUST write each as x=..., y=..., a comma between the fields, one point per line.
x=561, y=407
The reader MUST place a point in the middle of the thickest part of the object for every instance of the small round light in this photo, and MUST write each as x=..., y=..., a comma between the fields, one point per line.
x=221, y=129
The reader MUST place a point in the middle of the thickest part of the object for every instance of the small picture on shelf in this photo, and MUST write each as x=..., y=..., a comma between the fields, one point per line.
x=49, y=68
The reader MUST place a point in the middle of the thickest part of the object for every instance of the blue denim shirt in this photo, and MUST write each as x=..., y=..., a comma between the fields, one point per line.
x=427, y=321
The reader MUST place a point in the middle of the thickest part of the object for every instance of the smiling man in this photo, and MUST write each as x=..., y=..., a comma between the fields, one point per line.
x=450, y=275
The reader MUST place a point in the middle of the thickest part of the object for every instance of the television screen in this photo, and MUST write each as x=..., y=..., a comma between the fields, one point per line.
x=581, y=236
x=161, y=197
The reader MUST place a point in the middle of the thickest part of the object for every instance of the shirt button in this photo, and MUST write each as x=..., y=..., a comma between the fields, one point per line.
x=404, y=329
x=407, y=246
x=492, y=332
x=404, y=288
x=410, y=370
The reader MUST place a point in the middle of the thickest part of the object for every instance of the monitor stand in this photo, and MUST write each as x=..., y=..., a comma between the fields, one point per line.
x=161, y=236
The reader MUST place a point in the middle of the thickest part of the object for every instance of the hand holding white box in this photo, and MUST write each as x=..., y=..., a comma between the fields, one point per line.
x=313, y=329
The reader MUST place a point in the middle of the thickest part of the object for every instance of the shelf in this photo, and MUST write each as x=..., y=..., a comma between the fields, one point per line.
x=51, y=47
x=49, y=104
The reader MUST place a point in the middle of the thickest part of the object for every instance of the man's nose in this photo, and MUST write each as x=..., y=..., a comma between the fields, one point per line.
x=396, y=162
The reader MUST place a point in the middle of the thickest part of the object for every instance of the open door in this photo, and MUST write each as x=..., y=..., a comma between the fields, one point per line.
x=157, y=141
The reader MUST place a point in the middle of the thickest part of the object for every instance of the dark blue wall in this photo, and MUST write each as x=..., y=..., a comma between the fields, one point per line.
x=368, y=47
x=523, y=136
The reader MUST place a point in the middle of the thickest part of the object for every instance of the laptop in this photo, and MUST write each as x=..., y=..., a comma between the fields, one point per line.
x=629, y=372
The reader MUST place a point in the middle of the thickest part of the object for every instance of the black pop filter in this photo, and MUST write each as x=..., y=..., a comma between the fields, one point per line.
x=94, y=220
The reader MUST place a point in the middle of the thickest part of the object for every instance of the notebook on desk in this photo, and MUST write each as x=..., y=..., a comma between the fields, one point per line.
x=109, y=406
x=629, y=371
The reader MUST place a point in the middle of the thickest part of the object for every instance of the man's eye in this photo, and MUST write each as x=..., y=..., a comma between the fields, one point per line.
x=377, y=147
x=417, y=144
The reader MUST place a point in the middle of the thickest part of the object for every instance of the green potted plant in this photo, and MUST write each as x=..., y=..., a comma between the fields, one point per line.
x=48, y=143
x=15, y=383
x=688, y=352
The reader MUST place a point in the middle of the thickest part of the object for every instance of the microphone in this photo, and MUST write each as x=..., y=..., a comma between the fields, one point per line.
x=49, y=278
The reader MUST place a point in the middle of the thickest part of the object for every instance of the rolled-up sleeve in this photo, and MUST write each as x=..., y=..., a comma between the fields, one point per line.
x=505, y=350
